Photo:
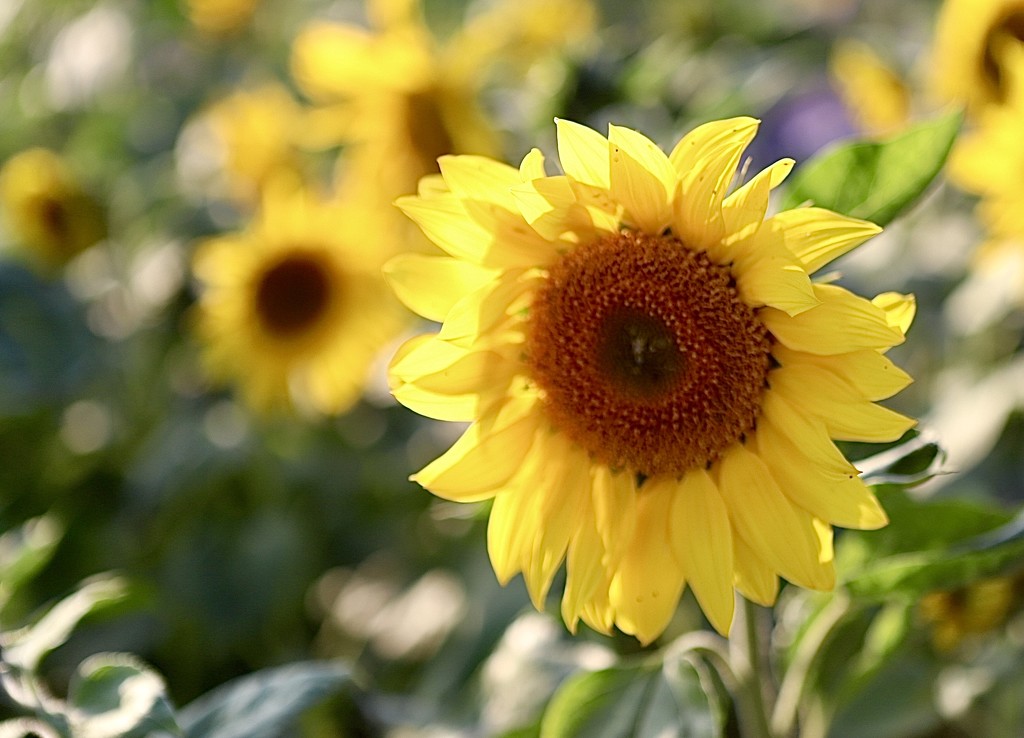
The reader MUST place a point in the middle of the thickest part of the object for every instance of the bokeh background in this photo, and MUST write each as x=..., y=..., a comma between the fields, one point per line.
x=252, y=538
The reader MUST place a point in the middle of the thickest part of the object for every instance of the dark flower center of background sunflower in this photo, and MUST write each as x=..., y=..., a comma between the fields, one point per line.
x=1008, y=28
x=292, y=295
x=646, y=354
x=427, y=130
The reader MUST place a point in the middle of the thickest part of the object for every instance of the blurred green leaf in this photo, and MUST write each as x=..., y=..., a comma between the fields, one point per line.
x=657, y=700
x=117, y=695
x=264, y=704
x=876, y=181
x=929, y=546
x=24, y=551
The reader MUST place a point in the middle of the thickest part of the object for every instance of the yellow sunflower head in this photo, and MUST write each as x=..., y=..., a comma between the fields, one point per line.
x=46, y=210
x=388, y=90
x=293, y=309
x=654, y=382
x=972, y=39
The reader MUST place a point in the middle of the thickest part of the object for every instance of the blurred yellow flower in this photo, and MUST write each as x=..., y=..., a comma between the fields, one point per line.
x=406, y=99
x=293, y=310
x=976, y=608
x=877, y=97
x=46, y=209
x=653, y=380
x=220, y=17
x=259, y=132
x=972, y=40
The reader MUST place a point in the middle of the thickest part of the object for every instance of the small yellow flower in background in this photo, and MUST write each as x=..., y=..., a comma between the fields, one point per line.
x=976, y=608
x=220, y=17
x=652, y=378
x=877, y=97
x=402, y=97
x=972, y=40
x=293, y=309
x=259, y=132
x=45, y=208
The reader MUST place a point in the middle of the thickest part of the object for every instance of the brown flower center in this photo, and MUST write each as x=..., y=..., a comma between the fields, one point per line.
x=292, y=295
x=646, y=354
x=427, y=129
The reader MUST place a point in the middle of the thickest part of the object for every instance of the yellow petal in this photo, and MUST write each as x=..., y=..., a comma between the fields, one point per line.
x=846, y=414
x=642, y=179
x=482, y=311
x=754, y=579
x=431, y=404
x=870, y=373
x=583, y=153
x=532, y=166
x=747, y=206
x=843, y=322
x=559, y=494
x=511, y=520
x=817, y=236
x=808, y=433
x=706, y=160
x=614, y=501
x=550, y=206
x=431, y=285
x=480, y=178
x=838, y=499
x=486, y=456
x=899, y=309
x=701, y=537
x=645, y=589
x=767, y=274
x=585, y=571
x=778, y=532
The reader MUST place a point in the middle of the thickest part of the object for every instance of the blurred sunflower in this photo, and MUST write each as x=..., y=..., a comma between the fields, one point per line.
x=46, y=209
x=987, y=161
x=875, y=95
x=404, y=98
x=972, y=40
x=976, y=608
x=654, y=381
x=293, y=309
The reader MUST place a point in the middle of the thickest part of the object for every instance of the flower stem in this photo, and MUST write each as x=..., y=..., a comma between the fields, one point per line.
x=748, y=663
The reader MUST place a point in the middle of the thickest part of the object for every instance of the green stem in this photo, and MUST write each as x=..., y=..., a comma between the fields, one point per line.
x=794, y=683
x=748, y=663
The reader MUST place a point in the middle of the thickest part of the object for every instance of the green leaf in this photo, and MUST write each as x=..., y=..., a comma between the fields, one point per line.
x=930, y=546
x=667, y=700
x=876, y=181
x=24, y=551
x=116, y=694
x=265, y=704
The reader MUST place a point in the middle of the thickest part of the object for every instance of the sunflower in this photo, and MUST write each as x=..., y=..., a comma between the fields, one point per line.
x=46, y=209
x=976, y=608
x=653, y=380
x=402, y=97
x=972, y=39
x=293, y=309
